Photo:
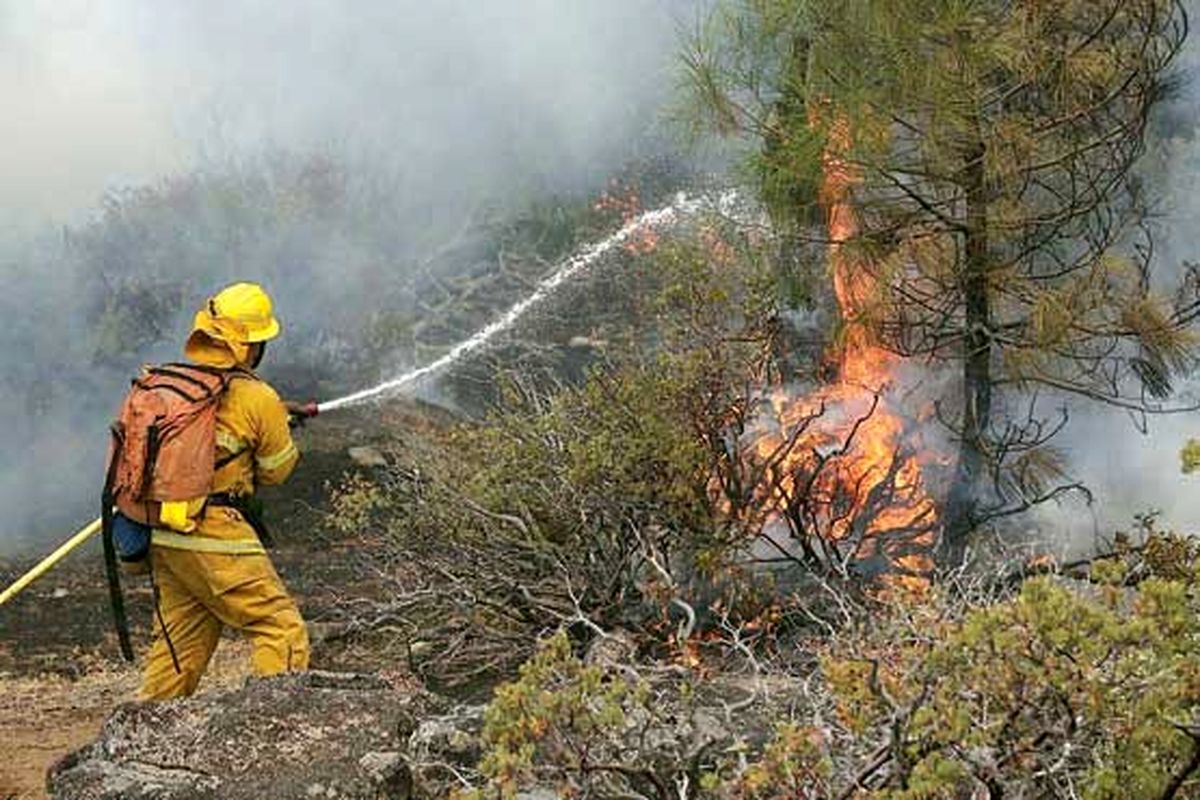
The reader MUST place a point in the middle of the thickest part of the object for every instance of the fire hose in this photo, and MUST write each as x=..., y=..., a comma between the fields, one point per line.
x=297, y=413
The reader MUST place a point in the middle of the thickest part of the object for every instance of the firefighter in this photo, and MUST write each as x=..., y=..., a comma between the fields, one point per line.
x=208, y=565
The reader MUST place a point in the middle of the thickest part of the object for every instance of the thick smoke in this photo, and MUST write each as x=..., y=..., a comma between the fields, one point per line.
x=416, y=118
x=462, y=96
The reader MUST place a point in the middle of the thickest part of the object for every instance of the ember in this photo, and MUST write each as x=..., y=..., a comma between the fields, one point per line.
x=626, y=201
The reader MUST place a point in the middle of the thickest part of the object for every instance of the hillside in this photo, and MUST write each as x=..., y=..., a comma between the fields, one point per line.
x=797, y=467
x=634, y=584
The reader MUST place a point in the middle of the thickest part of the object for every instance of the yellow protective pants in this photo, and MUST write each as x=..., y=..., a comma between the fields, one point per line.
x=198, y=594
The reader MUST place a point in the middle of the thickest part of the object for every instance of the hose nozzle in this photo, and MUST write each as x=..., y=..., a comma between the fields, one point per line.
x=299, y=413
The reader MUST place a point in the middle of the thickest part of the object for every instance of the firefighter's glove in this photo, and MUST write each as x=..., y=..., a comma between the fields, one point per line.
x=300, y=413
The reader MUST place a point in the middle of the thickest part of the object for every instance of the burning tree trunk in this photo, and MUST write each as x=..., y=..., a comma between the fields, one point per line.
x=839, y=468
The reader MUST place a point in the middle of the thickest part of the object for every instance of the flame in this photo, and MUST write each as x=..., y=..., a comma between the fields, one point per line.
x=626, y=201
x=844, y=452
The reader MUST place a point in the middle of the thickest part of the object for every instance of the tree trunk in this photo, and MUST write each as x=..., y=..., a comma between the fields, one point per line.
x=960, y=517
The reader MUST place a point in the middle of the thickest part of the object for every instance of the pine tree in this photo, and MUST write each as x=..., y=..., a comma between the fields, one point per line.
x=1001, y=220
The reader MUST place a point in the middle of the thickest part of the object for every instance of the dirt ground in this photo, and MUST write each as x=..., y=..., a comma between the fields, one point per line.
x=61, y=673
x=45, y=717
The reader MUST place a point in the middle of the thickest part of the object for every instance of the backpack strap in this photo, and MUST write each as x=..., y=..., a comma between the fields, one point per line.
x=227, y=374
x=115, y=596
x=229, y=459
x=230, y=375
x=169, y=372
x=184, y=380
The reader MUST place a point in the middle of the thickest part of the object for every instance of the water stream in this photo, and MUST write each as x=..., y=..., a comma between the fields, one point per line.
x=681, y=207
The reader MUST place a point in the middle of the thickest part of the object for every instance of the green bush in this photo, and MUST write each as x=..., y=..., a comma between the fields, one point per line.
x=557, y=704
x=1067, y=689
x=618, y=474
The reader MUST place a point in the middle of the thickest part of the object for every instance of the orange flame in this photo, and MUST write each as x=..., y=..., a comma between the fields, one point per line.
x=858, y=463
x=626, y=201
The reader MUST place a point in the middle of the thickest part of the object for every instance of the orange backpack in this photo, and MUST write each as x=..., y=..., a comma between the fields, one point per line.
x=163, y=449
x=164, y=439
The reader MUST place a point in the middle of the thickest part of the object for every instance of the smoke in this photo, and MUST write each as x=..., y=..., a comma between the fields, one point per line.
x=1129, y=462
x=422, y=118
x=80, y=110
x=462, y=96
x=154, y=152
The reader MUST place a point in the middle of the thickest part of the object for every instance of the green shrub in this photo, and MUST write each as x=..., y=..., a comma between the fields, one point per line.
x=613, y=479
x=1061, y=691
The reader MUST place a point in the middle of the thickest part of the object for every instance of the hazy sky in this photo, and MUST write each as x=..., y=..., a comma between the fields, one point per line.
x=122, y=91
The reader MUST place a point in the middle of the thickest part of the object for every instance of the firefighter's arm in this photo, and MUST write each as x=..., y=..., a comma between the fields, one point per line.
x=276, y=454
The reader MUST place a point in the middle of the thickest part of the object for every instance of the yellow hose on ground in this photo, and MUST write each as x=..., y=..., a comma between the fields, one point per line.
x=49, y=561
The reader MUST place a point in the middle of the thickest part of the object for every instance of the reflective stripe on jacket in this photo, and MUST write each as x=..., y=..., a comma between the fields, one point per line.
x=205, y=544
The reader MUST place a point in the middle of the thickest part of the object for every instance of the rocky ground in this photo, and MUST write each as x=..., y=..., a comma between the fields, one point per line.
x=61, y=674
x=319, y=735
x=345, y=736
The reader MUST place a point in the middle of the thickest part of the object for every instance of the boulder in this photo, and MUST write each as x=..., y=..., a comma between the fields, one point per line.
x=367, y=456
x=316, y=735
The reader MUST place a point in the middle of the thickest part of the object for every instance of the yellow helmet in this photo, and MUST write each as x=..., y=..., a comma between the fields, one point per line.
x=231, y=320
x=248, y=307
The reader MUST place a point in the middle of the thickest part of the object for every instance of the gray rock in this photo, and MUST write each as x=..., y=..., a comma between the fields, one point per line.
x=131, y=780
x=367, y=456
x=298, y=736
x=444, y=748
x=587, y=342
x=378, y=766
x=454, y=737
x=611, y=650
x=389, y=772
x=539, y=794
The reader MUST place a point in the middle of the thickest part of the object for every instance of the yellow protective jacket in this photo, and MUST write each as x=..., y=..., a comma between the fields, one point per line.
x=253, y=435
x=255, y=445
